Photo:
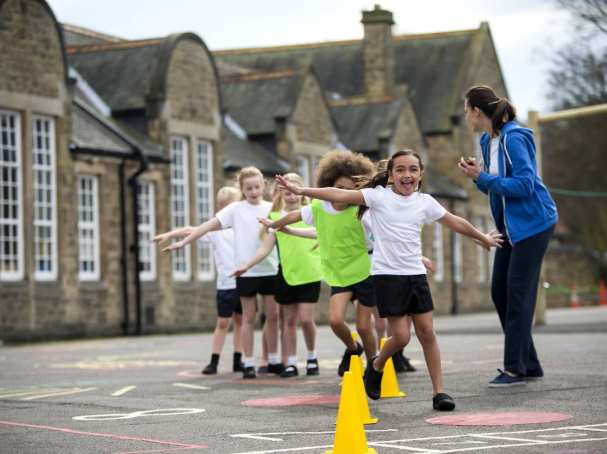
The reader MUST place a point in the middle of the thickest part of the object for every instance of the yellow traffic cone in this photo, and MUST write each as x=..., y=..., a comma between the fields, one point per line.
x=350, y=435
x=389, y=383
x=361, y=395
x=358, y=358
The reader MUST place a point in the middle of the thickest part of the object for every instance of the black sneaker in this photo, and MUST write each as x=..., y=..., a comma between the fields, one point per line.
x=312, y=367
x=249, y=372
x=262, y=369
x=399, y=363
x=443, y=402
x=276, y=368
x=211, y=369
x=372, y=380
x=408, y=366
x=289, y=371
x=238, y=366
x=344, y=366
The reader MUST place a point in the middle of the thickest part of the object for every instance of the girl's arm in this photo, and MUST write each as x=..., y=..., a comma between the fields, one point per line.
x=352, y=197
x=289, y=218
x=266, y=246
x=428, y=264
x=460, y=225
x=191, y=234
x=302, y=233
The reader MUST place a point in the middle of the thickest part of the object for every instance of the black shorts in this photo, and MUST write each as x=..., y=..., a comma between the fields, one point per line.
x=228, y=303
x=251, y=286
x=362, y=291
x=402, y=295
x=293, y=294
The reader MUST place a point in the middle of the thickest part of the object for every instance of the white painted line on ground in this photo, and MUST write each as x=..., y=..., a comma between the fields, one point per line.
x=522, y=444
x=25, y=393
x=187, y=385
x=56, y=394
x=123, y=391
x=265, y=436
x=304, y=448
x=405, y=448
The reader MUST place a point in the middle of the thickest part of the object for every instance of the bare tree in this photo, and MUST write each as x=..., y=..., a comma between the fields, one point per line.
x=579, y=71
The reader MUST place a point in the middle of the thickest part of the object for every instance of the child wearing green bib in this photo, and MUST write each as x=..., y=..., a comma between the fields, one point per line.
x=398, y=212
x=344, y=254
x=298, y=280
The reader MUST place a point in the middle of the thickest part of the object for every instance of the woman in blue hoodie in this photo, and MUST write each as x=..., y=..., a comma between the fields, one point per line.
x=524, y=213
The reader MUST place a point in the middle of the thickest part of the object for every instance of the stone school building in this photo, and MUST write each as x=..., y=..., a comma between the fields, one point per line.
x=104, y=142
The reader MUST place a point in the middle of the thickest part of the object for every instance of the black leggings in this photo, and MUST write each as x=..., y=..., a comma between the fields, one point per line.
x=516, y=272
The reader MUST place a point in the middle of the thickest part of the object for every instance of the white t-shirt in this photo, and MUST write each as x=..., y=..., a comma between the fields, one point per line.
x=397, y=224
x=223, y=252
x=242, y=218
x=307, y=216
x=493, y=160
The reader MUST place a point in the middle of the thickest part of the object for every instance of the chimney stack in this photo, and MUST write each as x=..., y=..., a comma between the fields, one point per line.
x=378, y=53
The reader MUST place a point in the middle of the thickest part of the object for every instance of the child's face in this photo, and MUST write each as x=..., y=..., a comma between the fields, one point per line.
x=252, y=188
x=290, y=199
x=406, y=174
x=343, y=183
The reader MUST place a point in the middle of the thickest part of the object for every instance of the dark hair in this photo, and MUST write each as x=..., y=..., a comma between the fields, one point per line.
x=342, y=163
x=499, y=110
x=382, y=177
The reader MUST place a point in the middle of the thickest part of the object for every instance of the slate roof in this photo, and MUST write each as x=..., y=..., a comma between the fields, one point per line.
x=438, y=185
x=74, y=35
x=362, y=125
x=255, y=100
x=240, y=153
x=121, y=74
x=430, y=64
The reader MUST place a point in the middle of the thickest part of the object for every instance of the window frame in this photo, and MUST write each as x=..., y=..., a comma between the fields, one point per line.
x=90, y=276
x=186, y=274
x=19, y=273
x=147, y=231
x=52, y=274
x=205, y=246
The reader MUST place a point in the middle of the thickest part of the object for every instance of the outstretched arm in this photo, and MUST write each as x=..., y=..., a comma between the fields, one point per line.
x=287, y=219
x=264, y=249
x=302, y=233
x=190, y=233
x=352, y=197
x=460, y=225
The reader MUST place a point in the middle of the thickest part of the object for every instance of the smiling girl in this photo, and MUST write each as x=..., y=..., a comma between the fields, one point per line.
x=398, y=213
x=261, y=279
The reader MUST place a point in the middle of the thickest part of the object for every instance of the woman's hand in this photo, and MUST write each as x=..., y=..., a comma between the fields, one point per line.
x=469, y=167
x=287, y=185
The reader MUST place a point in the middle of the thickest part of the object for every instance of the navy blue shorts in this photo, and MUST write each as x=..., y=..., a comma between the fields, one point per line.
x=362, y=291
x=398, y=296
x=228, y=303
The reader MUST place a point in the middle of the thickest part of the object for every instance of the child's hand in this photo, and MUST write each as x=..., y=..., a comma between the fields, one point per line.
x=239, y=271
x=174, y=246
x=267, y=222
x=287, y=185
x=493, y=239
x=429, y=264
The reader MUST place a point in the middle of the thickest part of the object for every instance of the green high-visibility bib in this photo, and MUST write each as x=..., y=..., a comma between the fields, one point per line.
x=299, y=257
x=343, y=251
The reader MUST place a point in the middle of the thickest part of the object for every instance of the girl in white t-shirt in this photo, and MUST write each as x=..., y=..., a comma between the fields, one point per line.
x=261, y=279
x=398, y=213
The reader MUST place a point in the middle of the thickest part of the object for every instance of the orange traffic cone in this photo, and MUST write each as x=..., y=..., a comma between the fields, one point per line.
x=602, y=293
x=350, y=435
x=574, y=300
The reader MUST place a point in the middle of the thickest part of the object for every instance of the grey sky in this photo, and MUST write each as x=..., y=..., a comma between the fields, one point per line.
x=524, y=31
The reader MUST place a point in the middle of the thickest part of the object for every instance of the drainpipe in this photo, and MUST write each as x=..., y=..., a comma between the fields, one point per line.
x=134, y=184
x=123, y=253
